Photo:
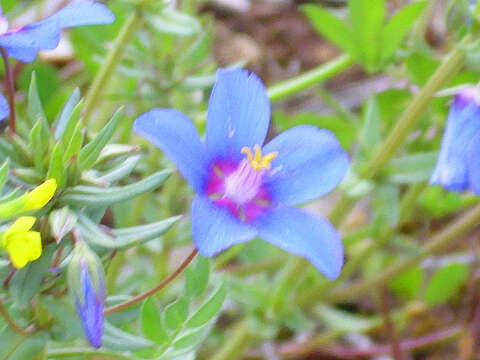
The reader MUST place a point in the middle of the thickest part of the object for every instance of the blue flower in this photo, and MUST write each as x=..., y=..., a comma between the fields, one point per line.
x=4, y=109
x=244, y=190
x=24, y=43
x=90, y=309
x=458, y=165
x=86, y=282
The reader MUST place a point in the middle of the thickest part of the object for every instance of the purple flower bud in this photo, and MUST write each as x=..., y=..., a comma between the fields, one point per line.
x=86, y=280
x=458, y=165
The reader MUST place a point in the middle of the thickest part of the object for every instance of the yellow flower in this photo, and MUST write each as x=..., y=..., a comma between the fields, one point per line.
x=22, y=244
x=41, y=195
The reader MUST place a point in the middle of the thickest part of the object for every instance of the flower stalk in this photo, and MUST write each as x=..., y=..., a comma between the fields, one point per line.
x=157, y=288
x=444, y=73
x=310, y=78
x=113, y=58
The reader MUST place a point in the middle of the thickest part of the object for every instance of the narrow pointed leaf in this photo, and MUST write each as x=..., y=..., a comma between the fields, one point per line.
x=209, y=309
x=89, y=154
x=66, y=114
x=91, y=196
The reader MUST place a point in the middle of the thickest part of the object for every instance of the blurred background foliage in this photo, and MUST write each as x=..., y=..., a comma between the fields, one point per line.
x=127, y=203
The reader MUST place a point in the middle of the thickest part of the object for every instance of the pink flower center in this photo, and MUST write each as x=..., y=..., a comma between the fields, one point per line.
x=239, y=186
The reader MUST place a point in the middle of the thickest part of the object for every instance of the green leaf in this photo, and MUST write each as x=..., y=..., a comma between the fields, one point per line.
x=196, y=277
x=175, y=315
x=386, y=205
x=190, y=340
x=328, y=25
x=116, y=339
x=121, y=238
x=92, y=196
x=39, y=141
x=21, y=348
x=35, y=108
x=445, y=283
x=56, y=167
x=26, y=282
x=74, y=143
x=345, y=321
x=209, y=309
x=62, y=221
x=151, y=322
x=66, y=114
x=4, y=170
x=198, y=52
x=398, y=26
x=407, y=284
x=173, y=22
x=367, y=18
x=122, y=170
x=412, y=168
x=89, y=154
x=370, y=134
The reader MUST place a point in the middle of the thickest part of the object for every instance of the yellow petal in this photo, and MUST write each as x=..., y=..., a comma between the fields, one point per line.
x=41, y=195
x=24, y=248
x=21, y=225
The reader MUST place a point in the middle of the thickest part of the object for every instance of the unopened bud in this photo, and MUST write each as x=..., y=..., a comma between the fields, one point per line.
x=87, y=285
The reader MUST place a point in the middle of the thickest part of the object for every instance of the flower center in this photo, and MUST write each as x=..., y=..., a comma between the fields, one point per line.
x=257, y=161
x=239, y=186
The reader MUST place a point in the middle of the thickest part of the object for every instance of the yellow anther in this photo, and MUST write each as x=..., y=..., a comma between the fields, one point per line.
x=256, y=160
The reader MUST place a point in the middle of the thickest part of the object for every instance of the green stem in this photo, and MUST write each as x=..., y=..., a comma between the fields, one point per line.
x=113, y=58
x=236, y=343
x=453, y=232
x=444, y=73
x=310, y=78
x=86, y=352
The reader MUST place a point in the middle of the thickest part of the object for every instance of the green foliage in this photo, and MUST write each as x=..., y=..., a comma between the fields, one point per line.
x=367, y=38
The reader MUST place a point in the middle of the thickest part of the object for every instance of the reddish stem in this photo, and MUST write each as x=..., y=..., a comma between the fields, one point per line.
x=297, y=350
x=397, y=352
x=155, y=289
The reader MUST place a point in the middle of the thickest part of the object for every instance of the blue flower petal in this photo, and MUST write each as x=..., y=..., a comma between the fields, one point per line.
x=90, y=310
x=215, y=229
x=463, y=125
x=305, y=235
x=24, y=43
x=174, y=134
x=23, y=54
x=238, y=113
x=4, y=109
x=82, y=12
x=474, y=164
x=310, y=163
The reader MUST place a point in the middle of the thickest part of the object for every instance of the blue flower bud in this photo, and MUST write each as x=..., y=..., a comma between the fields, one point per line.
x=86, y=281
x=458, y=164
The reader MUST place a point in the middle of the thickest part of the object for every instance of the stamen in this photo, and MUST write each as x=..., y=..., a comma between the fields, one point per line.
x=257, y=161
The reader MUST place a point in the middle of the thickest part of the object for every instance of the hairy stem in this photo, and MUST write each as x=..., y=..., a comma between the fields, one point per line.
x=442, y=76
x=155, y=289
x=113, y=58
x=310, y=78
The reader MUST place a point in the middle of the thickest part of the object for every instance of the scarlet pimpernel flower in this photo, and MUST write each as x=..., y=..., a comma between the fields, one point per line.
x=86, y=282
x=245, y=190
x=24, y=43
x=458, y=164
